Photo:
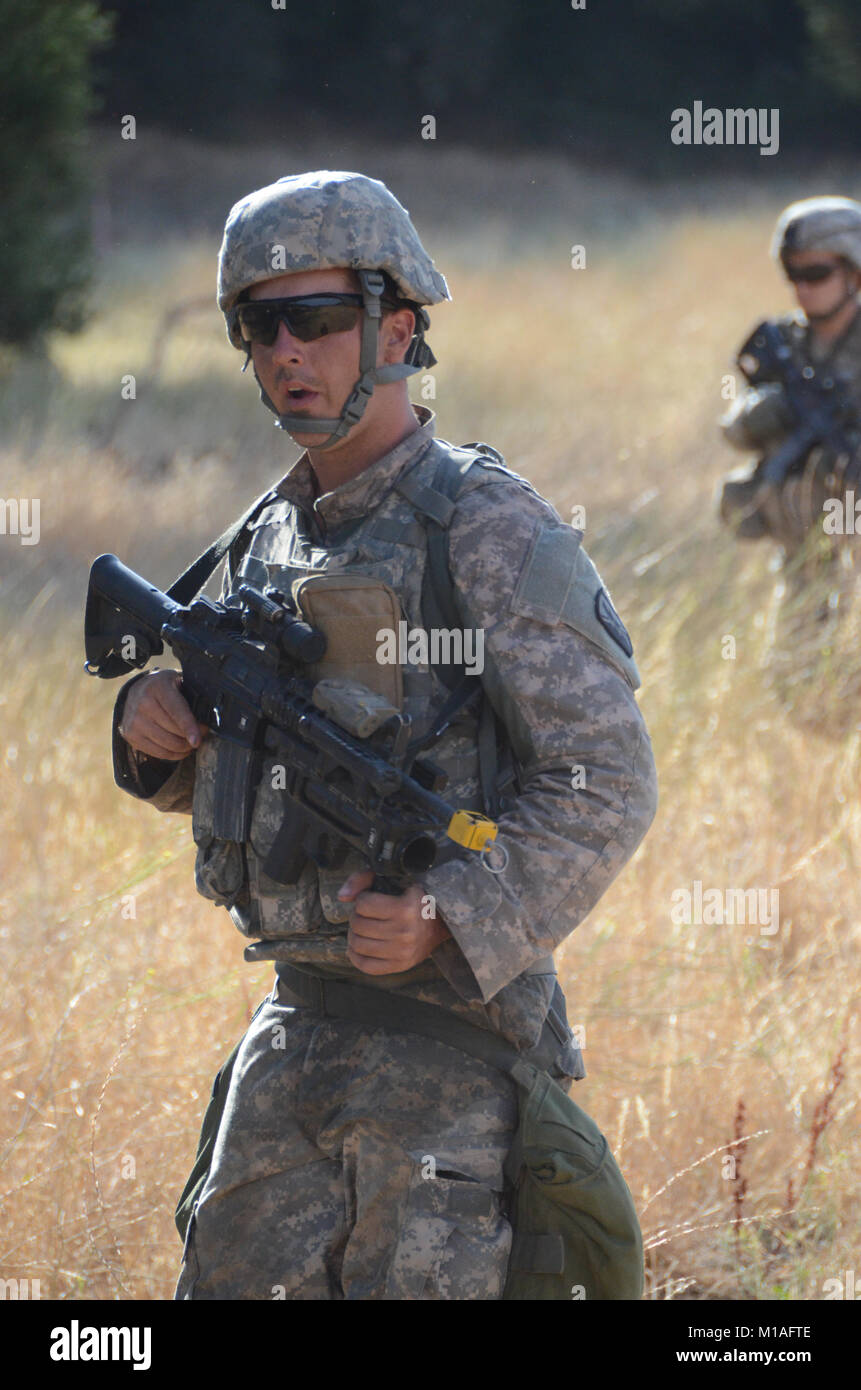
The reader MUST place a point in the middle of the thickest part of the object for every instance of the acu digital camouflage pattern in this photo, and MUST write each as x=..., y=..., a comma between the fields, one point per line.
x=353, y=1164
x=323, y=1142
x=323, y=221
x=759, y=420
x=560, y=682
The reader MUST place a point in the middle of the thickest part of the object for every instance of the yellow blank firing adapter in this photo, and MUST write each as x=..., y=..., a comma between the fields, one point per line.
x=471, y=830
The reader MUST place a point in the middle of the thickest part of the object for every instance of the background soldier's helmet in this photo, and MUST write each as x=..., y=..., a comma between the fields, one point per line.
x=820, y=224
x=324, y=221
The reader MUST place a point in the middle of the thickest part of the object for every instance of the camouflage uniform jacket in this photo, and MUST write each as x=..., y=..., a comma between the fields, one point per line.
x=759, y=418
x=558, y=678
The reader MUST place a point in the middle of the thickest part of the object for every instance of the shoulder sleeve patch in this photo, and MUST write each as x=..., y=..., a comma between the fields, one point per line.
x=560, y=584
x=546, y=578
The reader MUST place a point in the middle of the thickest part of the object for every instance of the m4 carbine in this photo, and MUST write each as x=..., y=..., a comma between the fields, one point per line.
x=350, y=779
x=822, y=410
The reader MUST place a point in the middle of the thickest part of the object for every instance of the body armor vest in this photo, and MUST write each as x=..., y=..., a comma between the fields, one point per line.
x=402, y=544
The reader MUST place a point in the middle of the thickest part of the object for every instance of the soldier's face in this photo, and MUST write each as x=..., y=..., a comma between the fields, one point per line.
x=819, y=298
x=315, y=378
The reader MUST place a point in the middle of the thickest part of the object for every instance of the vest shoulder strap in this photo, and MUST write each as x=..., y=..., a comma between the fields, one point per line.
x=435, y=504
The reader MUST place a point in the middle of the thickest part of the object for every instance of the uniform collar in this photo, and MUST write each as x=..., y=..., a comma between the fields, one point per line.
x=364, y=492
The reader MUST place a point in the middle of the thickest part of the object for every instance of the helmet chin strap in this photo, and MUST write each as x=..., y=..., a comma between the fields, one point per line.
x=370, y=375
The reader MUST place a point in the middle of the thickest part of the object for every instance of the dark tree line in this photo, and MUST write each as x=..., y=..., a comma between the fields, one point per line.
x=596, y=82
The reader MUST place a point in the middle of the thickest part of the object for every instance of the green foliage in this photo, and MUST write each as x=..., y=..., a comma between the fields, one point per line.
x=45, y=99
x=835, y=28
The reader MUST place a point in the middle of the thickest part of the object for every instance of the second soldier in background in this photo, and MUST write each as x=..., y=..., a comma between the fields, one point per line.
x=818, y=244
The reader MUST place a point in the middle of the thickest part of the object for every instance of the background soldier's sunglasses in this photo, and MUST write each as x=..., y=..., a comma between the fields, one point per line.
x=307, y=316
x=811, y=274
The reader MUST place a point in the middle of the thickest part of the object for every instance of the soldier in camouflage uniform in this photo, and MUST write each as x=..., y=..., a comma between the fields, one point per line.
x=355, y=1161
x=818, y=243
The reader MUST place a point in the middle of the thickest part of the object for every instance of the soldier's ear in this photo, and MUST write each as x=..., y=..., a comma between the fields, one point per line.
x=396, y=331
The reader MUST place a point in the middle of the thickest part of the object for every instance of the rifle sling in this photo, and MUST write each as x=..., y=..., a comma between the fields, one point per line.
x=191, y=581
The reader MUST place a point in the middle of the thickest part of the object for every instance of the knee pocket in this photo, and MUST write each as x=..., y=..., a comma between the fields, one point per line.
x=453, y=1242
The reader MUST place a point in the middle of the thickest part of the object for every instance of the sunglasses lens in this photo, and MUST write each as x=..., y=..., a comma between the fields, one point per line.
x=259, y=319
x=811, y=274
x=257, y=324
x=310, y=322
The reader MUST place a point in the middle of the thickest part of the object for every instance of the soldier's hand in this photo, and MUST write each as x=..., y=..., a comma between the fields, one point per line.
x=157, y=719
x=388, y=934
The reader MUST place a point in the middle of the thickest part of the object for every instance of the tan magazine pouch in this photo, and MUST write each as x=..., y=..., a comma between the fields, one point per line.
x=351, y=610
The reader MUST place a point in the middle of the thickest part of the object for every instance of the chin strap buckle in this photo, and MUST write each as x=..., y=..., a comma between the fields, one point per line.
x=356, y=402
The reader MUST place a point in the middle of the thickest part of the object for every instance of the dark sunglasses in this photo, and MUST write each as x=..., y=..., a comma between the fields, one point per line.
x=307, y=316
x=811, y=274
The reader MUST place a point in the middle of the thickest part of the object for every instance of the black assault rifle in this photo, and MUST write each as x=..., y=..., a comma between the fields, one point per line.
x=351, y=779
x=821, y=407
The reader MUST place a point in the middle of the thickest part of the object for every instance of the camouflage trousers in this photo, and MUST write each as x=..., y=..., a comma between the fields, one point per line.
x=353, y=1163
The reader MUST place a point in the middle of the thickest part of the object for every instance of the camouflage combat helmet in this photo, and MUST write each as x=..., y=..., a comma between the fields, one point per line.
x=323, y=221
x=820, y=224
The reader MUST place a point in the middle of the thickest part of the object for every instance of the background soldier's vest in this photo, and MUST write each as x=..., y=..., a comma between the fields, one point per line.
x=787, y=513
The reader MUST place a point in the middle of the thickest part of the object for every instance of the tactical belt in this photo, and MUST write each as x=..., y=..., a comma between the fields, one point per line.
x=377, y=1008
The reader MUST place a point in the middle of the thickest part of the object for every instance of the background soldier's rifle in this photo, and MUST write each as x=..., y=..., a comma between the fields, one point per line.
x=821, y=407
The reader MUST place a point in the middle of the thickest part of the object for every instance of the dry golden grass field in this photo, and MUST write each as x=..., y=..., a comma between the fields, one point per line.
x=122, y=990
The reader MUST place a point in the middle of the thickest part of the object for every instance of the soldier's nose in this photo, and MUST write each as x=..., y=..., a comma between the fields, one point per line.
x=286, y=346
